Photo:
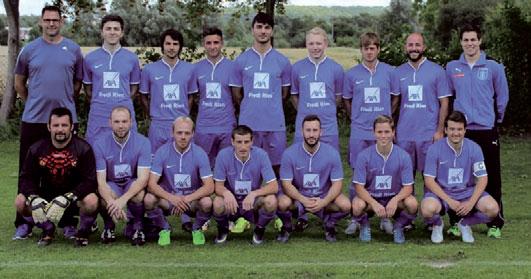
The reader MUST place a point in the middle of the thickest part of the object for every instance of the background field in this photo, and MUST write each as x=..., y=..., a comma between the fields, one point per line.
x=305, y=256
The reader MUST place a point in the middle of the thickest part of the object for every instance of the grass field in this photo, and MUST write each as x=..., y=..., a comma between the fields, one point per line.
x=304, y=256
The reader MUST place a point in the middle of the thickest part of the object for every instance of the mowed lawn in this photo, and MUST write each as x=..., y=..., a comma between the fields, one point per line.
x=306, y=255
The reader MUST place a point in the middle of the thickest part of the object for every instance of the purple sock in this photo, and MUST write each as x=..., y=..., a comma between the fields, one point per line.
x=185, y=218
x=434, y=220
x=332, y=218
x=475, y=218
x=403, y=219
x=223, y=221
x=200, y=219
x=137, y=212
x=157, y=218
x=301, y=212
x=264, y=217
x=86, y=221
x=363, y=219
x=108, y=223
x=285, y=217
x=29, y=220
x=46, y=226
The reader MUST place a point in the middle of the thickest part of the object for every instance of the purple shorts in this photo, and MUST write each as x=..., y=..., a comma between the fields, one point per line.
x=274, y=143
x=355, y=147
x=417, y=151
x=333, y=140
x=212, y=143
x=444, y=206
x=121, y=189
x=160, y=132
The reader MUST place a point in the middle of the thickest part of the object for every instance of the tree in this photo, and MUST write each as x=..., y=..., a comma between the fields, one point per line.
x=13, y=47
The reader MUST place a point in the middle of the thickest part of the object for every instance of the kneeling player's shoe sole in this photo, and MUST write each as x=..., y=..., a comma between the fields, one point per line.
x=164, y=238
x=198, y=237
x=494, y=232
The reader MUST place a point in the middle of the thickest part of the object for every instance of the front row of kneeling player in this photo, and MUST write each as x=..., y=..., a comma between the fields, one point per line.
x=60, y=171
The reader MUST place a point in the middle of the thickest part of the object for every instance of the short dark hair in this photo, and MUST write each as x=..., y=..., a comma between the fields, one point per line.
x=175, y=35
x=470, y=28
x=212, y=31
x=242, y=130
x=52, y=9
x=59, y=112
x=264, y=19
x=369, y=38
x=455, y=116
x=311, y=117
x=116, y=18
x=383, y=119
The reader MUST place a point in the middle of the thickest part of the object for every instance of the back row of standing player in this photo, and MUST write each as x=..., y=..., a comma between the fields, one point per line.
x=256, y=84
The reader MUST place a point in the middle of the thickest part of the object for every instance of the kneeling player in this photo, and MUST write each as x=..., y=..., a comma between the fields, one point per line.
x=58, y=178
x=456, y=178
x=312, y=178
x=180, y=182
x=383, y=180
x=239, y=173
x=123, y=159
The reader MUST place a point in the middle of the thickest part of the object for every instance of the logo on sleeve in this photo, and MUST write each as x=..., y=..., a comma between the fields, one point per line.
x=479, y=167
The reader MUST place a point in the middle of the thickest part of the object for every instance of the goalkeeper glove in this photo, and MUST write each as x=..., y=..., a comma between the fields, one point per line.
x=38, y=208
x=58, y=206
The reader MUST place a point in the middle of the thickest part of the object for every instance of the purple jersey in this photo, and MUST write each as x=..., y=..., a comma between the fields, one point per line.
x=317, y=86
x=216, y=111
x=455, y=172
x=243, y=177
x=371, y=96
x=121, y=161
x=51, y=70
x=311, y=174
x=383, y=177
x=478, y=89
x=181, y=173
x=262, y=79
x=421, y=90
x=168, y=88
x=111, y=75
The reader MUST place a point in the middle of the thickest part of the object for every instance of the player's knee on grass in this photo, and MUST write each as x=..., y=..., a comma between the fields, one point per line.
x=219, y=205
x=359, y=206
x=429, y=207
x=488, y=206
x=284, y=203
x=150, y=201
x=89, y=204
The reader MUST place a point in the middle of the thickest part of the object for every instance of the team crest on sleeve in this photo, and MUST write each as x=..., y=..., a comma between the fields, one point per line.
x=111, y=80
x=455, y=175
x=213, y=90
x=261, y=81
x=479, y=166
x=171, y=92
x=371, y=95
x=383, y=182
x=182, y=181
x=317, y=90
x=414, y=93
x=311, y=181
x=483, y=73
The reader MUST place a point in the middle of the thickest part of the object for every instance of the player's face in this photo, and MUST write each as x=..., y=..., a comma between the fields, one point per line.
x=470, y=43
x=112, y=33
x=51, y=23
x=60, y=128
x=213, y=45
x=171, y=48
x=316, y=46
x=242, y=145
x=311, y=131
x=262, y=32
x=370, y=53
x=120, y=123
x=384, y=134
x=455, y=131
x=183, y=131
x=415, y=47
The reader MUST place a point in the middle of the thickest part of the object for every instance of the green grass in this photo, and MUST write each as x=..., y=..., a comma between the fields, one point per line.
x=305, y=256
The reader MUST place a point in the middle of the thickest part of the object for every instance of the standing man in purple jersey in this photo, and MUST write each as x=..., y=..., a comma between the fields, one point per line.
x=482, y=94
x=123, y=160
x=456, y=176
x=111, y=75
x=260, y=83
x=48, y=74
x=215, y=119
x=383, y=180
x=420, y=100
x=312, y=178
x=58, y=180
x=180, y=182
x=316, y=87
x=367, y=94
x=246, y=186
x=166, y=87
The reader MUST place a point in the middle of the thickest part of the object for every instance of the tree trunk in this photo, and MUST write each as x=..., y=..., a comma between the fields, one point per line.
x=13, y=46
x=270, y=10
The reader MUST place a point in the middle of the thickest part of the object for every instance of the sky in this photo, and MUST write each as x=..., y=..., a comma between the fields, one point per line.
x=33, y=7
